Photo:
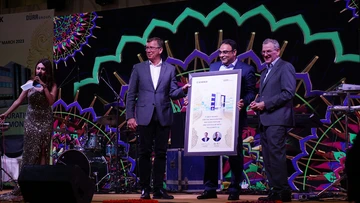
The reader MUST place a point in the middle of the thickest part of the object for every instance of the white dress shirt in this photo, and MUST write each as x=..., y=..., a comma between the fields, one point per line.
x=269, y=67
x=155, y=72
x=229, y=67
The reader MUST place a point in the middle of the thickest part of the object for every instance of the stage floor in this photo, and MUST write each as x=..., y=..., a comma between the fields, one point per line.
x=190, y=198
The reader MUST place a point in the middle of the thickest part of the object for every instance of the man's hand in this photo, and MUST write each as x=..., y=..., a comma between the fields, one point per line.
x=186, y=87
x=240, y=104
x=186, y=101
x=131, y=123
x=257, y=106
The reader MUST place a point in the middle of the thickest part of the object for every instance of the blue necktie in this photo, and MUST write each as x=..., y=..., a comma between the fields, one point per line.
x=268, y=70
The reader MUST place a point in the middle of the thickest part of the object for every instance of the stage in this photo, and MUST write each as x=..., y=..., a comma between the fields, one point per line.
x=191, y=197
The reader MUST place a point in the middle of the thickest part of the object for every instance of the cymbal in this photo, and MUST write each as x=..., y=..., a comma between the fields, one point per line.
x=110, y=120
x=67, y=122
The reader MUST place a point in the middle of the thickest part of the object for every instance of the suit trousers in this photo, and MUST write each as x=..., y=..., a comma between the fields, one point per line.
x=152, y=137
x=211, y=166
x=272, y=139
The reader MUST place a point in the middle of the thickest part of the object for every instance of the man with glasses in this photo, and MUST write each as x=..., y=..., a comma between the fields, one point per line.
x=229, y=61
x=148, y=109
x=275, y=109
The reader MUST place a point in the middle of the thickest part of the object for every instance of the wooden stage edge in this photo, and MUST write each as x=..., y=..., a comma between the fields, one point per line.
x=191, y=197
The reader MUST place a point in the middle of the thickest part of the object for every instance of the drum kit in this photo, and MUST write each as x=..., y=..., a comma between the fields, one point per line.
x=108, y=164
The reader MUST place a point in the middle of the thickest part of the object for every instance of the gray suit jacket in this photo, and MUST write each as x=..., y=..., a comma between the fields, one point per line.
x=278, y=92
x=143, y=98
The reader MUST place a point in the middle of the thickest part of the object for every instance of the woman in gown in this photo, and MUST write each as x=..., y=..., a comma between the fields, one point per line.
x=38, y=123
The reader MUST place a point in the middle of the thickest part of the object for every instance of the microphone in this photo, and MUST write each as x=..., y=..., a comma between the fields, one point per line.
x=36, y=82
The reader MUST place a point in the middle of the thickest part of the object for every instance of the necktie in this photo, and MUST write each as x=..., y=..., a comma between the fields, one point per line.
x=268, y=71
x=230, y=66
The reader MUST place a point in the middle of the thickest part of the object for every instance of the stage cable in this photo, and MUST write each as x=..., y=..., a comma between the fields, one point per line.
x=62, y=83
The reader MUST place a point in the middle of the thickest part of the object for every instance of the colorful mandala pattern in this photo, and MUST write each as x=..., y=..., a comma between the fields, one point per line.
x=71, y=33
x=320, y=155
x=353, y=6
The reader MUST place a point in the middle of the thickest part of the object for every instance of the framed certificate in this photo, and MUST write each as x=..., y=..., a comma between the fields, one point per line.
x=212, y=117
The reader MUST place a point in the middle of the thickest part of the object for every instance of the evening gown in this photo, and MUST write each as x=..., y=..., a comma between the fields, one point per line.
x=38, y=127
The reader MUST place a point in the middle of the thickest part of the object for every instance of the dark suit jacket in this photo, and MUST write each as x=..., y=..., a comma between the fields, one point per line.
x=142, y=97
x=217, y=139
x=278, y=92
x=248, y=82
x=205, y=139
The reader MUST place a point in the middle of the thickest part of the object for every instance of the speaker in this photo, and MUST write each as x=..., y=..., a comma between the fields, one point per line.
x=56, y=184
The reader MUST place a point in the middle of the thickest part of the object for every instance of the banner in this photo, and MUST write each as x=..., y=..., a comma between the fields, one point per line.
x=15, y=121
x=24, y=39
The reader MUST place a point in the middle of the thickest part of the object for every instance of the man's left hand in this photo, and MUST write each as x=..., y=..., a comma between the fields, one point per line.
x=240, y=104
x=186, y=101
x=258, y=106
x=186, y=87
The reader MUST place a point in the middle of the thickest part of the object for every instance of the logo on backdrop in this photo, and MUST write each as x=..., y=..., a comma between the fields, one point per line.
x=31, y=16
x=1, y=19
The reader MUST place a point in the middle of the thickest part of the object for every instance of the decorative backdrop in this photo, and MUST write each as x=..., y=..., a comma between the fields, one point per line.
x=94, y=54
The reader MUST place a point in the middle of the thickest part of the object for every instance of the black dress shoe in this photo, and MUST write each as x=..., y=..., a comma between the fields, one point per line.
x=145, y=194
x=285, y=196
x=271, y=197
x=162, y=194
x=233, y=196
x=207, y=194
x=265, y=199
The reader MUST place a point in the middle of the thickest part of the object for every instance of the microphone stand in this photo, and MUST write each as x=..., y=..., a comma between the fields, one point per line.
x=346, y=113
x=117, y=173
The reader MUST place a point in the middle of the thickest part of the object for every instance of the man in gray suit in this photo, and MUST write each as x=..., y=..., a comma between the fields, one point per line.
x=275, y=109
x=148, y=108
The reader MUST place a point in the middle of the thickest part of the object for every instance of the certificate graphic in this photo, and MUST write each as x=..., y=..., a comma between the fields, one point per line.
x=212, y=115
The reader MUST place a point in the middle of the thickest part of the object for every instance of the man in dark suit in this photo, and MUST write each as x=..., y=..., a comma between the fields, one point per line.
x=148, y=108
x=275, y=109
x=229, y=61
x=205, y=138
x=217, y=137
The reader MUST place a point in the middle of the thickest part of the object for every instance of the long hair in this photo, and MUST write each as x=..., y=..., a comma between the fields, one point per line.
x=48, y=78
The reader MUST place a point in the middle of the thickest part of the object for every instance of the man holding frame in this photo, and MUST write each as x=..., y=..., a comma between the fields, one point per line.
x=229, y=61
